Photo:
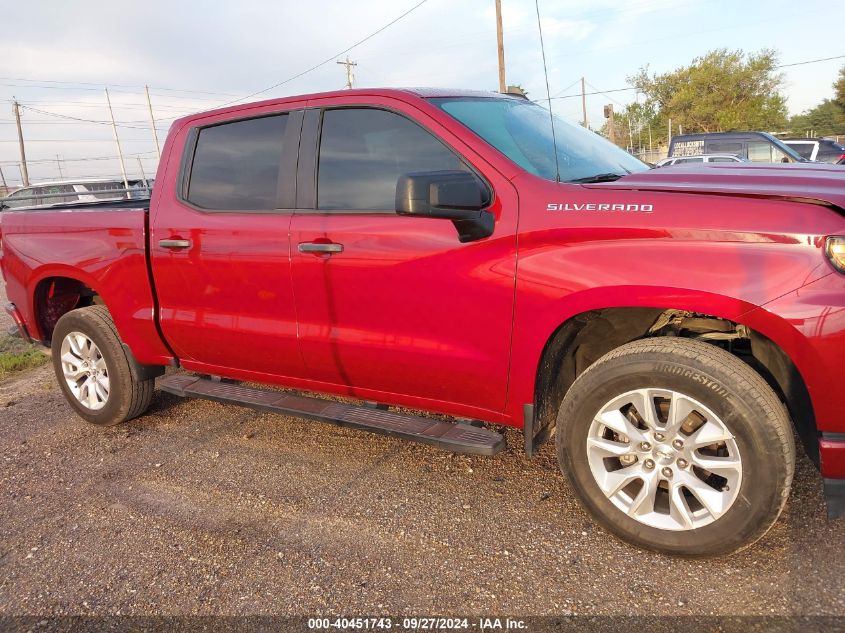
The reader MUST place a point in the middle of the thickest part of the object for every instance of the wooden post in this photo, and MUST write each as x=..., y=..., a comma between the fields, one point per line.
x=500, y=41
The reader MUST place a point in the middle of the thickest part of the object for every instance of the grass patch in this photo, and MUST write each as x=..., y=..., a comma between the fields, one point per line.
x=17, y=355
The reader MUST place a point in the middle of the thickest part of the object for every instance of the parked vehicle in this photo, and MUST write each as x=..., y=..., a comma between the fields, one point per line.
x=757, y=147
x=701, y=158
x=60, y=192
x=824, y=150
x=668, y=327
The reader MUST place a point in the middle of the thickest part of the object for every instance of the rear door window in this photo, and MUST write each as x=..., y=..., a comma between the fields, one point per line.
x=236, y=165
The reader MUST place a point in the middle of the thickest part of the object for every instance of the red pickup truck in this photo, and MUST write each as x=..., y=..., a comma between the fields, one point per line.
x=453, y=253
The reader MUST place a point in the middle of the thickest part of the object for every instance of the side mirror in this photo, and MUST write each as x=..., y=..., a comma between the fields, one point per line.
x=458, y=196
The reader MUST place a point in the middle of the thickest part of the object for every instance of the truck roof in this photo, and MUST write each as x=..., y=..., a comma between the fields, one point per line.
x=421, y=92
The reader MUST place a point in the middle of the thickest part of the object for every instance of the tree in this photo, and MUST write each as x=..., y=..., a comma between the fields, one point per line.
x=827, y=118
x=719, y=92
x=636, y=127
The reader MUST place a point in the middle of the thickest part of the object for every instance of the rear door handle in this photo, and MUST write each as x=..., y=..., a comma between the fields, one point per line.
x=320, y=247
x=175, y=244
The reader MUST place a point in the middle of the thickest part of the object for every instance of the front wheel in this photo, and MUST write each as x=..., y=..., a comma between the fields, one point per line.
x=677, y=446
x=93, y=370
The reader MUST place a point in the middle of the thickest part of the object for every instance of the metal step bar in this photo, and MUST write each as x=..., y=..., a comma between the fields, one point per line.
x=458, y=438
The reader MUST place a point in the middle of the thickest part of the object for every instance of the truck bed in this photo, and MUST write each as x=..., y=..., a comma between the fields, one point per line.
x=104, y=244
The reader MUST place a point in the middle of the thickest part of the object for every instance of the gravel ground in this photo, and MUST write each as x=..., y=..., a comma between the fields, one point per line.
x=199, y=508
x=202, y=509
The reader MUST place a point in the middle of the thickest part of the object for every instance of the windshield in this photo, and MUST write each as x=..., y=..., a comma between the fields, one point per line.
x=521, y=130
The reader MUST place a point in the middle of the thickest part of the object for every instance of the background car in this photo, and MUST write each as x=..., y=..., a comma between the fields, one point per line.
x=702, y=158
x=757, y=147
x=69, y=191
x=823, y=150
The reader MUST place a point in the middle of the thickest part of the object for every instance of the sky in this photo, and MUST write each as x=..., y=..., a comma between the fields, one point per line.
x=58, y=56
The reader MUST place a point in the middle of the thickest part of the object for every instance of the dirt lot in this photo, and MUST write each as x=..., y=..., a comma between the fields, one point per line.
x=198, y=508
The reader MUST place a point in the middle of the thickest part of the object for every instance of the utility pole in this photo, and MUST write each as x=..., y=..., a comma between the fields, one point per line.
x=670, y=131
x=152, y=120
x=143, y=175
x=5, y=186
x=584, y=103
x=117, y=142
x=611, y=125
x=500, y=41
x=59, y=163
x=350, y=78
x=24, y=171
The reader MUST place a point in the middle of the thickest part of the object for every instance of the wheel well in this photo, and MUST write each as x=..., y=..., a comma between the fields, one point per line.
x=56, y=296
x=585, y=338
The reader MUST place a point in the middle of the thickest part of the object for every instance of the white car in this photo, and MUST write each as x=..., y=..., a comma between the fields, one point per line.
x=701, y=158
x=44, y=194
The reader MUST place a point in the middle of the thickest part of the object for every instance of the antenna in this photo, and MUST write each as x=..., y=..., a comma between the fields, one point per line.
x=548, y=96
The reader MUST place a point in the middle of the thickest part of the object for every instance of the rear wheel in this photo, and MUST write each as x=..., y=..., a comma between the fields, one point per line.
x=678, y=446
x=93, y=370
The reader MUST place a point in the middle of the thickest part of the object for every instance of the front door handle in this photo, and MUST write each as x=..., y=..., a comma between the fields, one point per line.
x=175, y=244
x=320, y=247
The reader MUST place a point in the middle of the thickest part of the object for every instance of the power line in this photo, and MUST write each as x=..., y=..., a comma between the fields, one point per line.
x=98, y=122
x=587, y=94
x=329, y=59
x=99, y=86
x=75, y=140
x=565, y=89
x=811, y=61
x=604, y=92
x=141, y=155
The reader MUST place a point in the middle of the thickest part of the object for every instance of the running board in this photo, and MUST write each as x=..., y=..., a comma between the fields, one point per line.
x=458, y=438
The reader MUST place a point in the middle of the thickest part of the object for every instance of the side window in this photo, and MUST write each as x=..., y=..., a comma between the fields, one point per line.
x=805, y=150
x=14, y=203
x=759, y=151
x=724, y=147
x=363, y=151
x=236, y=165
x=723, y=159
x=51, y=196
x=829, y=151
x=697, y=159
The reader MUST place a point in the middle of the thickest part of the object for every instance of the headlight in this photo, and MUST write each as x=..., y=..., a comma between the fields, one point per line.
x=834, y=248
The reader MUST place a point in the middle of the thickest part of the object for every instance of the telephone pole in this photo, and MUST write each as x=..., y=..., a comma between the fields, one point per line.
x=584, y=103
x=500, y=41
x=350, y=78
x=59, y=163
x=611, y=125
x=143, y=174
x=5, y=186
x=117, y=142
x=152, y=120
x=24, y=171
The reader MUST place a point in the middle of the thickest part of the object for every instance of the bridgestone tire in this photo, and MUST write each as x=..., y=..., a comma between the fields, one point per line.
x=128, y=397
x=732, y=390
